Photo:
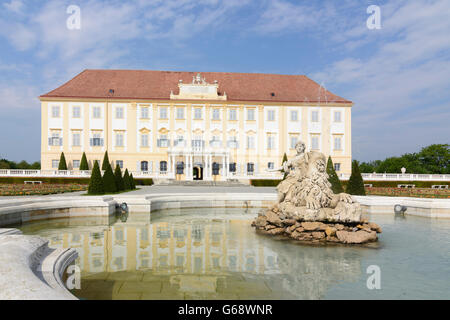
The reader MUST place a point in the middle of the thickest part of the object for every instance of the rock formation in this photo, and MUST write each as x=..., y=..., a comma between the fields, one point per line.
x=308, y=210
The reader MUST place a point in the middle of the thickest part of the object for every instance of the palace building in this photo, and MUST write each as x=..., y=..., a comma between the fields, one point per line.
x=192, y=126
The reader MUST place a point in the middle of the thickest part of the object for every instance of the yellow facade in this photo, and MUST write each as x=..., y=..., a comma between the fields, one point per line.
x=192, y=136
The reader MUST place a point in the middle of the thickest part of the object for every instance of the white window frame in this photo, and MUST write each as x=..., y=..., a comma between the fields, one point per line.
x=215, y=114
x=56, y=111
x=232, y=114
x=337, y=143
x=119, y=139
x=76, y=114
x=144, y=140
x=119, y=113
x=291, y=117
x=163, y=113
x=74, y=140
x=251, y=142
x=180, y=113
x=313, y=114
x=251, y=111
x=271, y=115
x=339, y=118
x=96, y=112
x=145, y=112
x=315, y=138
x=198, y=113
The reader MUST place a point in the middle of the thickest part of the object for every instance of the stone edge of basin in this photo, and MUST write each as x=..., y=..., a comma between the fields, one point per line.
x=30, y=270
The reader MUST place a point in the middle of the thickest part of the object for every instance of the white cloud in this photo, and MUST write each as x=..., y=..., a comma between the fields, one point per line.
x=14, y=6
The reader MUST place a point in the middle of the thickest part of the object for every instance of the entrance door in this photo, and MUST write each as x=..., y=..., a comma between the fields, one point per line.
x=197, y=173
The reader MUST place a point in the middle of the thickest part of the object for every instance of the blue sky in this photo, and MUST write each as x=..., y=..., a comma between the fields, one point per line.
x=398, y=76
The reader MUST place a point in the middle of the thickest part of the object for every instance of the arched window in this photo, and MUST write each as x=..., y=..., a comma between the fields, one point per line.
x=180, y=167
x=144, y=166
x=163, y=166
x=215, y=169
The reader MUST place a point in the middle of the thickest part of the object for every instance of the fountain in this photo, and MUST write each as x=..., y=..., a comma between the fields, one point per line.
x=308, y=210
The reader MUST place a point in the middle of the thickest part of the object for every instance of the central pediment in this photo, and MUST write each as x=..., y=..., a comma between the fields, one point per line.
x=199, y=89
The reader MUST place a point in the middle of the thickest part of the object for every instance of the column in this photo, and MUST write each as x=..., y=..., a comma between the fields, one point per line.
x=224, y=169
x=191, y=164
x=173, y=166
x=227, y=163
x=169, y=167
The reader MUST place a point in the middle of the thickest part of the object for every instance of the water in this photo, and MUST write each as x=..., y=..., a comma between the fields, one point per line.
x=216, y=254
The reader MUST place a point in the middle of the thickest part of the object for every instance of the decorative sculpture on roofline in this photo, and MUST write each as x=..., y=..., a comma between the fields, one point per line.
x=307, y=208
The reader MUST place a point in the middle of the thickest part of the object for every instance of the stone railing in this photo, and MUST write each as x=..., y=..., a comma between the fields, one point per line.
x=242, y=175
x=399, y=177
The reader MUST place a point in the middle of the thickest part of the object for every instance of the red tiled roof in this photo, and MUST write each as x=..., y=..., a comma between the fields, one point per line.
x=145, y=84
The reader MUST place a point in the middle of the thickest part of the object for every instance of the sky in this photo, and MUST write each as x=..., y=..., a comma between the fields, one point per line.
x=398, y=76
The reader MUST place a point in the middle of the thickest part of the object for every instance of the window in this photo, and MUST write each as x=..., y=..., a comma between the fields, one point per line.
x=144, y=140
x=180, y=113
x=216, y=114
x=250, y=167
x=144, y=113
x=197, y=142
x=163, y=113
x=55, y=164
x=315, y=143
x=55, y=111
x=215, y=142
x=337, y=166
x=197, y=113
x=179, y=141
x=55, y=139
x=96, y=112
x=76, y=164
x=120, y=163
x=270, y=165
x=337, y=143
x=250, y=114
x=96, y=140
x=294, y=115
x=250, y=142
x=315, y=116
x=163, y=166
x=293, y=140
x=232, y=167
x=232, y=115
x=180, y=167
x=76, y=139
x=271, y=115
x=119, y=139
x=270, y=142
x=215, y=169
x=144, y=165
x=119, y=112
x=233, y=143
x=337, y=116
x=76, y=112
x=163, y=142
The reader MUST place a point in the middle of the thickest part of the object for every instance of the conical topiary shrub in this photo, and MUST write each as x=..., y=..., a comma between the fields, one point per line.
x=62, y=162
x=333, y=178
x=105, y=162
x=109, y=180
x=285, y=159
x=133, y=183
x=119, y=179
x=126, y=180
x=84, y=163
x=96, y=182
x=355, y=183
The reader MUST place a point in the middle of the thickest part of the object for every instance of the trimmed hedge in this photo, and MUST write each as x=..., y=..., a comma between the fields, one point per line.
x=393, y=184
x=336, y=185
x=143, y=181
x=265, y=182
x=355, y=183
x=62, y=162
x=20, y=180
x=96, y=185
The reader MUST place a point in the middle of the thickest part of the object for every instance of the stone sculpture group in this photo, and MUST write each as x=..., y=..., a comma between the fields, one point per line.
x=308, y=210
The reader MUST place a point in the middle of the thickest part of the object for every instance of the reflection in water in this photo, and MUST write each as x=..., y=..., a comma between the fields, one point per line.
x=214, y=254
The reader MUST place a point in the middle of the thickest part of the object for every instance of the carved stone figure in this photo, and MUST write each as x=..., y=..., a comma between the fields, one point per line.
x=307, y=209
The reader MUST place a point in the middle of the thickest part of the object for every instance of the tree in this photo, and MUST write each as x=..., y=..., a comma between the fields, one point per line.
x=105, y=162
x=133, y=183
x=96, y=182
x=435, y=158
x=333, y=178
x=62, y=162
x=355, y=183
x=119, y=180
x=126, y=180
x=109, y=181
x=84, y=163
x=285, y=159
